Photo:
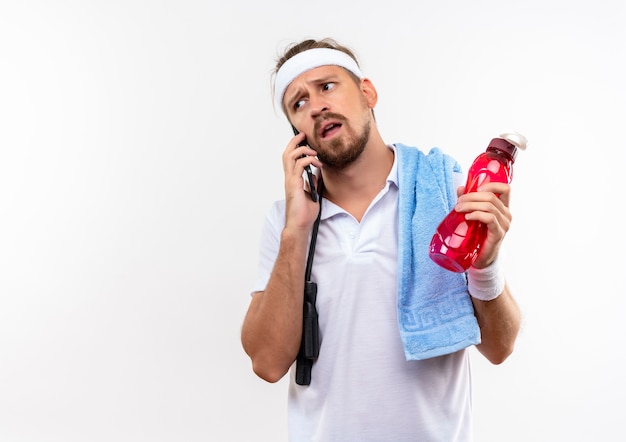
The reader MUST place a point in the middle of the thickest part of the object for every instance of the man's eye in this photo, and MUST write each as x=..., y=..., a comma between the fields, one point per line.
x=298, y=104
x=328, y=86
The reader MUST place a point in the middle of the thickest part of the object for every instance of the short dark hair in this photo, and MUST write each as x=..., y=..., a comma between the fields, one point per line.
x=296, y=48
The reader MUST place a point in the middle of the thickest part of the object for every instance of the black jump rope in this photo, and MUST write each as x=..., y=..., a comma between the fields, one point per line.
x=310, y=344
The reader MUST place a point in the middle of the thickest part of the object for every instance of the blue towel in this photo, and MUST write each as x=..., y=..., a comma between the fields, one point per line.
x=435, y=313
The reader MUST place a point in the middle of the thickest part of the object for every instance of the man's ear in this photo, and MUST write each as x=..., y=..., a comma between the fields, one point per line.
x=369, y=91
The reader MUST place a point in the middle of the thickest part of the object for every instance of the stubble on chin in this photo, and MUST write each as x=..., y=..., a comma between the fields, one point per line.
x=341, y=152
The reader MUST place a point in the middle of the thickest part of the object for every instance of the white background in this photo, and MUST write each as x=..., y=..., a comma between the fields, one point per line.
x=139, y=151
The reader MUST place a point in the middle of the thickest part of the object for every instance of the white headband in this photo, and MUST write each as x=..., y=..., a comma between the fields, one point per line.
x=307, y=60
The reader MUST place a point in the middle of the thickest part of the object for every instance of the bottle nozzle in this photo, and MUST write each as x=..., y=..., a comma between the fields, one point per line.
x=516, y=139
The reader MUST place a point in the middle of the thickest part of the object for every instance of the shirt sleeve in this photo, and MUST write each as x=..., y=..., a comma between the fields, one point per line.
x=458, y=179
x=269, y=244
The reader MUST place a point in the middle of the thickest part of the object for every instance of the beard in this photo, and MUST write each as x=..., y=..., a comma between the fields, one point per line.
x=342, y=151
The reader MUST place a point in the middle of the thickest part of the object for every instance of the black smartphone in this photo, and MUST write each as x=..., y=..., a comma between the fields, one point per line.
x=308, y=170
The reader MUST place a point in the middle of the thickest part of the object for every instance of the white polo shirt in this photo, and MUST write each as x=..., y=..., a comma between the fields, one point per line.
x=362, y=388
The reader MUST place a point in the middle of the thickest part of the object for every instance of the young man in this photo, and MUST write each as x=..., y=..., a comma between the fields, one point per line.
x=395, y=328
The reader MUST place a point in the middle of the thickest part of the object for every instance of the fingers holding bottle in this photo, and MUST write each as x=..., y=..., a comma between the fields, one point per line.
x=489, y=206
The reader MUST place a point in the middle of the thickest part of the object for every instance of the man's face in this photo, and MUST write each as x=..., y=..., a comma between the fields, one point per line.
x=333, y=111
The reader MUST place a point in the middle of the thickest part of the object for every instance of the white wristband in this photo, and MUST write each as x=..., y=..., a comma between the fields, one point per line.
x=486, y=284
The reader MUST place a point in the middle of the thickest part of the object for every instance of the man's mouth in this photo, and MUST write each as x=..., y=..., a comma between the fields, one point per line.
x=329, y=130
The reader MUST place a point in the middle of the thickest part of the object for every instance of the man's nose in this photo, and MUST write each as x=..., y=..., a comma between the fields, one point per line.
x=318, y=105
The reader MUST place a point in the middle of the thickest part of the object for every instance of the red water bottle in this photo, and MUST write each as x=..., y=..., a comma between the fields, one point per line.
x=456, y=243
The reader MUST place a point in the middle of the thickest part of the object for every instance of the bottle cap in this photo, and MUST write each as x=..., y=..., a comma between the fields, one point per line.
x=509, y=142
x=516, y=139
